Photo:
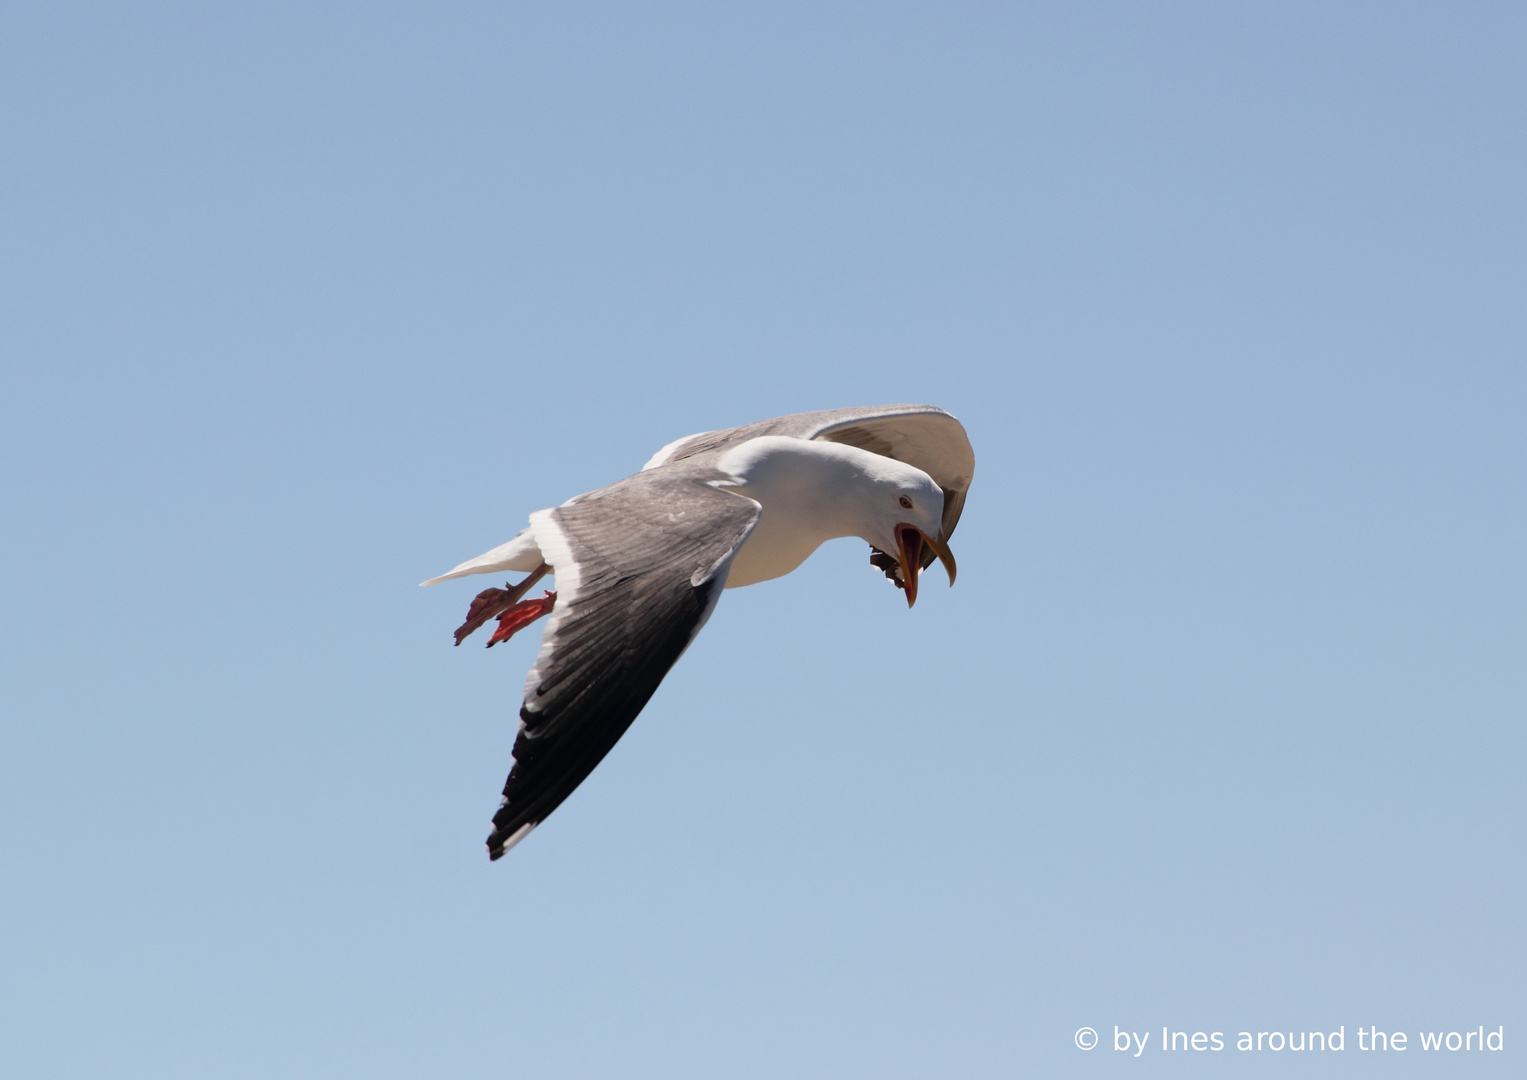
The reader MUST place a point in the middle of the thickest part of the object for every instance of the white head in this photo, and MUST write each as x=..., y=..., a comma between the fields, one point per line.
x=898, y=508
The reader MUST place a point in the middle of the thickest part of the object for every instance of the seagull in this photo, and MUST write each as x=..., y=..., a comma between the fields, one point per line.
x=640, y=565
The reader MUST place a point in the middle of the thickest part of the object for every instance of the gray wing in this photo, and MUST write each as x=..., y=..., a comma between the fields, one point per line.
x=920, y=435
x=640, y=565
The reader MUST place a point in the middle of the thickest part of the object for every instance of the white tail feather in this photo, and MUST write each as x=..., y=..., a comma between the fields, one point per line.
x=521, y=553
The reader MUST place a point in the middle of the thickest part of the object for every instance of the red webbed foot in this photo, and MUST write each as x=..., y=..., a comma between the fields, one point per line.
x=520, y=616
x=491, y=603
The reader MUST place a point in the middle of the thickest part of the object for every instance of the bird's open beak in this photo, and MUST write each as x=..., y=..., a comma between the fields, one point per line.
x=909, y=549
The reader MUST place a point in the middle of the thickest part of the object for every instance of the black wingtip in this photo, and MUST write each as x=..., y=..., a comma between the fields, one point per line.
x=499, y=842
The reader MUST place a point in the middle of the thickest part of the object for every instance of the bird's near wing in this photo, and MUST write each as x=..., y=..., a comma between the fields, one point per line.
x=639, y=566
x=920, y=435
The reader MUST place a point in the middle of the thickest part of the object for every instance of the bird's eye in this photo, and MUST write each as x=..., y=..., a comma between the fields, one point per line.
x=906, y=503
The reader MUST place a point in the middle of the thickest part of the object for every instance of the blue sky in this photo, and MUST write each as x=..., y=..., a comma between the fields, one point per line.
x=1220, y=729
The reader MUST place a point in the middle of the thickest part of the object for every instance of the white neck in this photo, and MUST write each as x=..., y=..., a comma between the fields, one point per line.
x=810, y=493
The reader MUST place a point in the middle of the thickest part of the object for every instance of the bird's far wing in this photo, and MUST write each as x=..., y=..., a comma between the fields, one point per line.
x=639, y=566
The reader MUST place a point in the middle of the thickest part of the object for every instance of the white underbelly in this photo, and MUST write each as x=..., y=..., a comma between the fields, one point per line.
x=769, y=553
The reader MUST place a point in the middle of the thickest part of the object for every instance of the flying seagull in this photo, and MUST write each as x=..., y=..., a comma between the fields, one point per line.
x=639, y=565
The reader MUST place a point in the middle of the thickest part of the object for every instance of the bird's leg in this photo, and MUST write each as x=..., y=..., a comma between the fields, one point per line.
x=493, y=602
x=522, y=615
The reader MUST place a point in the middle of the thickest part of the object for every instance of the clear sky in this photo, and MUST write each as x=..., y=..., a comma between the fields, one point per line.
x=1221, y=729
